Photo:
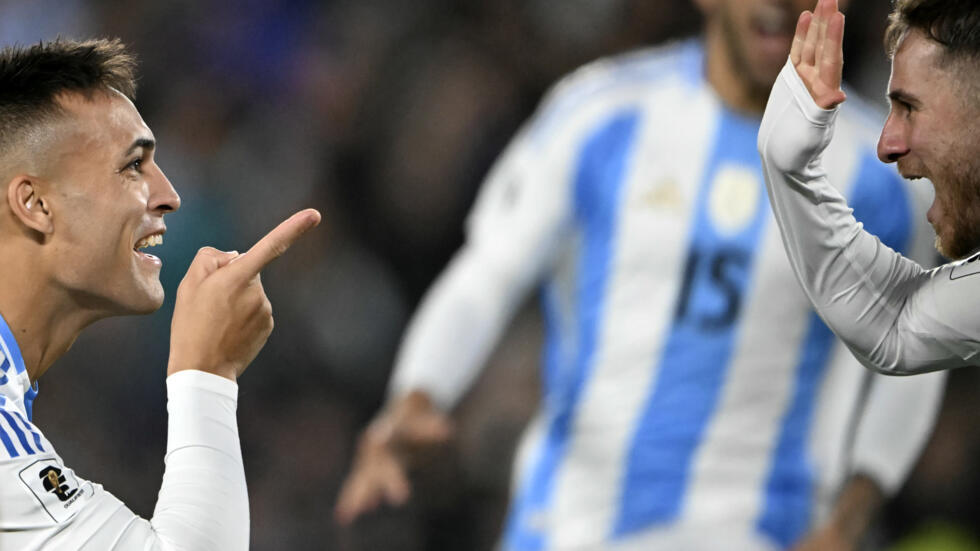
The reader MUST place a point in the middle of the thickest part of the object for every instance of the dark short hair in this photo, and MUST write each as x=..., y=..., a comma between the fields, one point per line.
x=955, y=24
x=32, y=78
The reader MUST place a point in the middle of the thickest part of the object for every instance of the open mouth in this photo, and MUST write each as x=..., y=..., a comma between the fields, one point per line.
x=151, y=240
x=775, y=26
x=909, y=175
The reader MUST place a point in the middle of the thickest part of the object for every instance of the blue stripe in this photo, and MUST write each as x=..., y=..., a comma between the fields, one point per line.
x=789, y=486
x=5, y=365
x=644, y=68
x=30, y=429
x=29, y=397
x=880, y=202
x=699, y=343
x=19, y=433
x=7, y=443
x=598, y=186
x=552, y=356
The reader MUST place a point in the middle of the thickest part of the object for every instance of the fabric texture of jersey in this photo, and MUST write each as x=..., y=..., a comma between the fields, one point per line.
x=692, y=398
x=896, y=316
x=45, y=505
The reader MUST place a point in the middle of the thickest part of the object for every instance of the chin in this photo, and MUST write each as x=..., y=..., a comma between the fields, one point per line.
x=147, y=301
x=153, y=303
x=149, y=308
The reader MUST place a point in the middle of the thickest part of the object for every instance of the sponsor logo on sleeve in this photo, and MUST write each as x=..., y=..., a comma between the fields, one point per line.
x=56, y=488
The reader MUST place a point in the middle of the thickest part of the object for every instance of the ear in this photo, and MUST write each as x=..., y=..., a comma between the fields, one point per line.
x=28, y=205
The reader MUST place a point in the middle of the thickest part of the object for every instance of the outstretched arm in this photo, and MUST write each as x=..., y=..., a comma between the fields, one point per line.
x=895, y=316
x=221, y=321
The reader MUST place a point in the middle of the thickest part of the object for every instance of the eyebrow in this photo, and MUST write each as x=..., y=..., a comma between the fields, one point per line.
x=902, y=96
x=145, y=143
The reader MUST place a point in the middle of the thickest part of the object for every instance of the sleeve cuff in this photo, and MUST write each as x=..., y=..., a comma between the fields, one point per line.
x=813, y=112
x=193, y=378
x=202, y=410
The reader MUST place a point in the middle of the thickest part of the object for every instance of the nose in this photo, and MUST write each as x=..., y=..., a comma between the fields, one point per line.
x=892, y=145
x=163, y=196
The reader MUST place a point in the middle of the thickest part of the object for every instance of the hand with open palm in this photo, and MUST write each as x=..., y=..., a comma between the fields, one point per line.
x=818, y=53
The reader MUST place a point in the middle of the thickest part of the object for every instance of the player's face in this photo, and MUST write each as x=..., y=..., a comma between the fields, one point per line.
x=107, y=198
x=757, y=35
x=931, y=133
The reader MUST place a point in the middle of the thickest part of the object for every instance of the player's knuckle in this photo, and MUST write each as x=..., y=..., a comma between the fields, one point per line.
x=278, y=248
x=207, y=251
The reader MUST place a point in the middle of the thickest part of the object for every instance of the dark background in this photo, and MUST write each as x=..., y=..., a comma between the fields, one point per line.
x=385, y=115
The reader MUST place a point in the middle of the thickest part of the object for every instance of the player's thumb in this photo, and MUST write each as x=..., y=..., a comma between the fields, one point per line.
x=432, y=428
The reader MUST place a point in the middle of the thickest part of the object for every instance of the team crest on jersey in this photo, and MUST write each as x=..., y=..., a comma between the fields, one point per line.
x=665, y=193
x=55, y=488
x=968, y=267
x=734, y=199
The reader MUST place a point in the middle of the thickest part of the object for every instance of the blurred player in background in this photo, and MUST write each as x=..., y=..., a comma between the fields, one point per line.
x=82, y=198
x=692, y=400
x=897, y=316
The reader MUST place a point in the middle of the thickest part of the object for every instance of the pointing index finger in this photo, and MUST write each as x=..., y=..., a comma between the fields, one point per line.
x=275, y=243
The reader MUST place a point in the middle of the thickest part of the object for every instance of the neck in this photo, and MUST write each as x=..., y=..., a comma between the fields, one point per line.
x=44, y=319
x=729, y=77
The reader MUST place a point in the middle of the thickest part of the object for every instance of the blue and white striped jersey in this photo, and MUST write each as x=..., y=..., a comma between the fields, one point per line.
x=18, y=436
x=37, y=488
x=692, y=399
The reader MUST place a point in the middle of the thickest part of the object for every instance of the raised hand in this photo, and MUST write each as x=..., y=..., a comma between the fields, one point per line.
x=386, y=451
x=818, y=53
x=222, y=317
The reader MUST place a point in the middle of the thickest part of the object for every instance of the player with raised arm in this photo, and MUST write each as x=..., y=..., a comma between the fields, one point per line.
x=896, y=316
x=83, y=197
x=691, y=397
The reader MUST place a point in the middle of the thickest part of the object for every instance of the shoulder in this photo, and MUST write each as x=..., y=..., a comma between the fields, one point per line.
x=623, y=78
x=673, y=62
x=941, y=312
x=19, y=437
x=36, y=488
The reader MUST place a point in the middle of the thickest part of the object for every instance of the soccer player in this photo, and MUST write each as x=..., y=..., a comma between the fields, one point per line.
x=692, y=399
x=896, y=316
x=82, y=199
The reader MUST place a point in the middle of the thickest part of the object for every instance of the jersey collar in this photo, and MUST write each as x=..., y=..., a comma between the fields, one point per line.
x=15, y=385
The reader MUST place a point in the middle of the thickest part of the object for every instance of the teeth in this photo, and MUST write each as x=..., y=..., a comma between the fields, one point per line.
x=150, y=241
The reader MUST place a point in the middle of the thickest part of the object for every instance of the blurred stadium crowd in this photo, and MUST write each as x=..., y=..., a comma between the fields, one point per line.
x=385, y=115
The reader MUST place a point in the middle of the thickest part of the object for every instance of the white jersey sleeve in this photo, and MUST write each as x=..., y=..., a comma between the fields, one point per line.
x=203, y=501
x=895, y=316
x=511, y=239
x=895, y=425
